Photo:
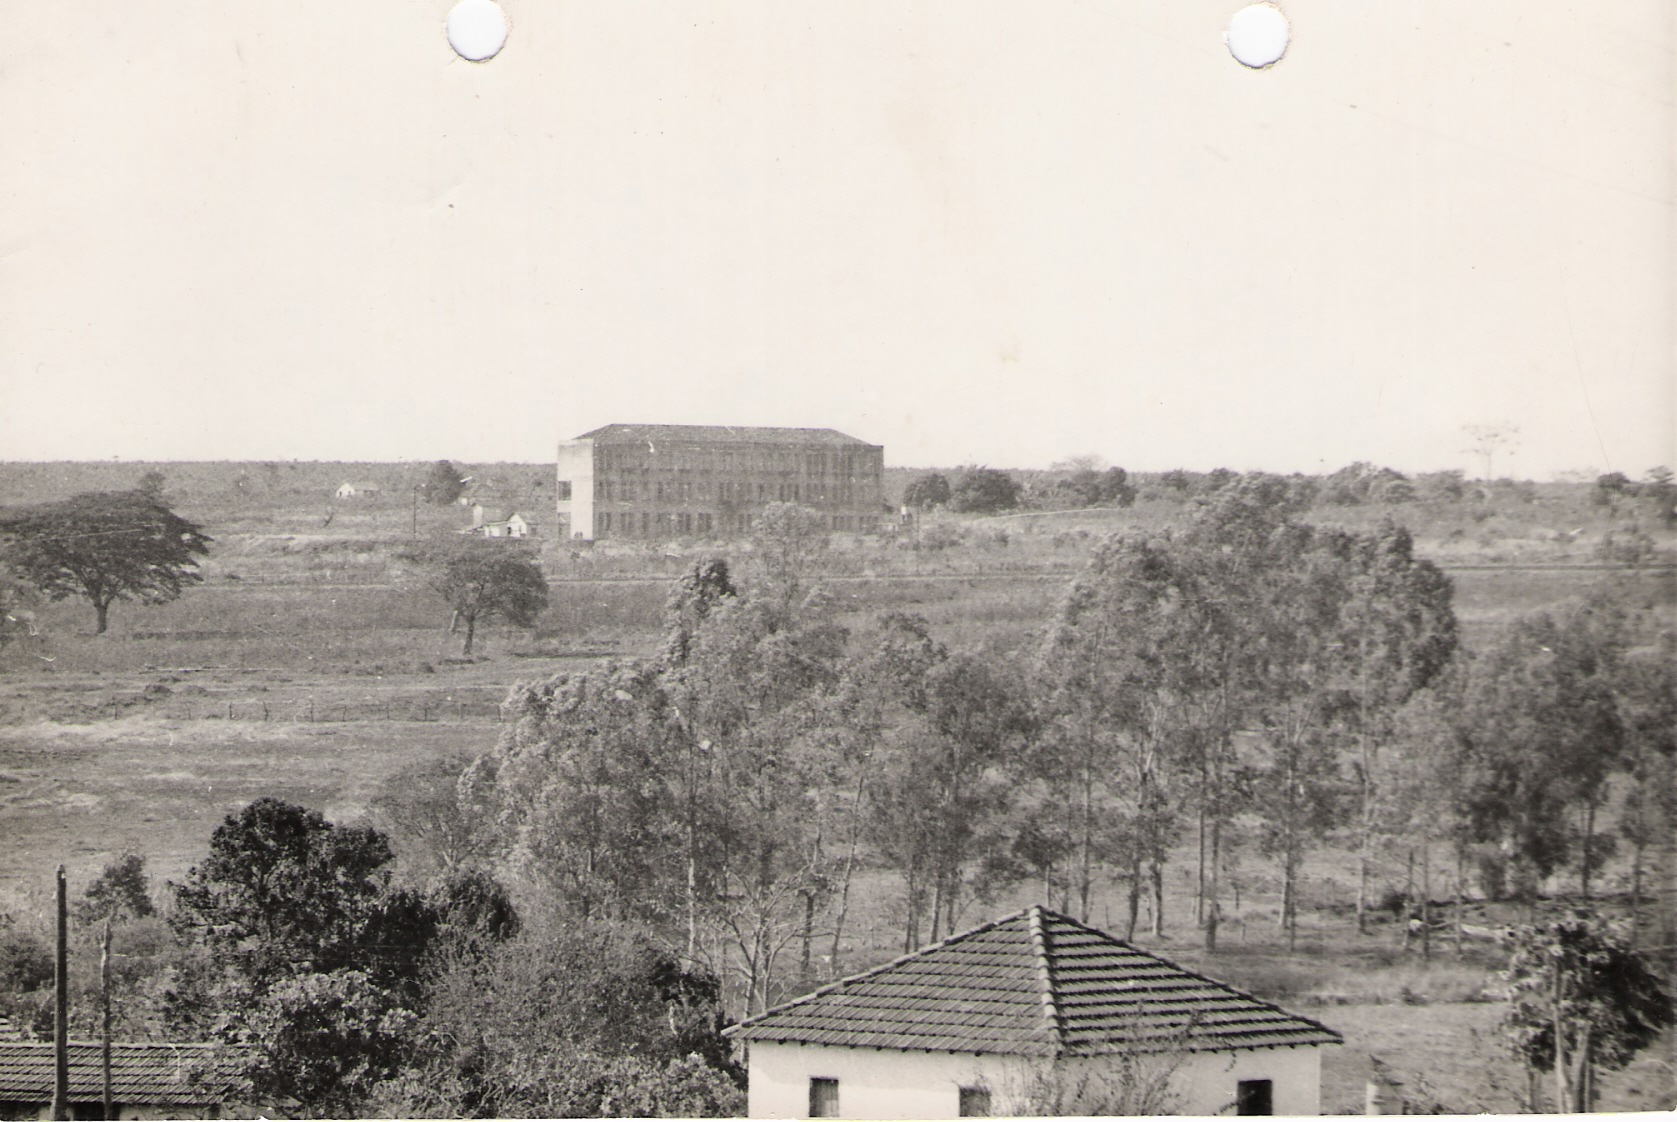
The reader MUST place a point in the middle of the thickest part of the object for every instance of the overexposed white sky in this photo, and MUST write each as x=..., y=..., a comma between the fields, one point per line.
x=969, y=231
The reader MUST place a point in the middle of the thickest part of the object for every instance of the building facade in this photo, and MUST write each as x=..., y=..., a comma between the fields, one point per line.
x=1034, y=1013
x=664, y=481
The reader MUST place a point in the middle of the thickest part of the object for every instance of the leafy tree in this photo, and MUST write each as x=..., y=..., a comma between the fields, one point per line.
x=25, y=959
x=983, y=490
x=941, y=803
x=1396, y=634
x=480, y=582
x=297, y=947
x=1613, y=485
x=758, y=755
x=578, y=788
x=701, y=589
x=104, y=546
x=927, y=492
x=1443, y=486
x=1108, y=712
x=787, y=539
x=1218, y=478
x=474, y=915
x=1110, y=487
x=1659, y=489
x=1580, y=1000
x=121, y=890
x=435, y=827
x=151, y=485
x=575, y=1021
x=284, y=892
x=1647, y=697
x=324, y=1040
x=444, y=483
x=1537, y=731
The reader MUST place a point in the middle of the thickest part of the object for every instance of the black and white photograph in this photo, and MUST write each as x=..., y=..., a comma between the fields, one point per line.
x=762, y=559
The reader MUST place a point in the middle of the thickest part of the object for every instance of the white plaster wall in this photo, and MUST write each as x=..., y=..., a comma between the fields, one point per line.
x=872, y=1083
x=576, y=464
x=890, y=1084
x=1206, y=1083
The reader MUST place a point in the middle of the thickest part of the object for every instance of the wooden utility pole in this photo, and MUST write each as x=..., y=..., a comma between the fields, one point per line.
x=61, y=1011
x=105, y=1015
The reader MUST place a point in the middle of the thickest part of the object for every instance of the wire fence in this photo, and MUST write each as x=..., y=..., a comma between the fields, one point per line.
x=477, y=708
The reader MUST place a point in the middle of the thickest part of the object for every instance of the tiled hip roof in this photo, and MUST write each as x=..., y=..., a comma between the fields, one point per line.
x=158, y=1074
x=1037, y=984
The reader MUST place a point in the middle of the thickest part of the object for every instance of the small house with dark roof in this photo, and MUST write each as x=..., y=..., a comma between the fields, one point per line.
x=673, y=481
x=150, y=1080
x=991, y=1020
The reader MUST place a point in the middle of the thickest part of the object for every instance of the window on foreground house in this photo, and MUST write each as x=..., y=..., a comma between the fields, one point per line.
x=1254, y=1096
x=823, y=1098
x=564, y=490
x=975, y=1102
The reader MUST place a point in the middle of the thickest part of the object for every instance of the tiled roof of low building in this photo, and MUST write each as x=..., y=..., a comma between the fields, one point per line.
x=158, y=1074
x=1035, y=983
x=718, y=434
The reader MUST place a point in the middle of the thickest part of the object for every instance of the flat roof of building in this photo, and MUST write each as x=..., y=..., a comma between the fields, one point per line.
x=719, y=434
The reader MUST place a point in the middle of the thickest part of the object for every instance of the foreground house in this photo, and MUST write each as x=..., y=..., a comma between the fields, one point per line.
x=1033, y=1013
x=147, y=1081
x=664, y=481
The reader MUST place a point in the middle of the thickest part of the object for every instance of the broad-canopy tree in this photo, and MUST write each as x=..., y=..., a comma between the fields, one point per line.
x=983, y=490
x=296, y=946
x=122, y=890
x=481, y=581
x=927, y=491
x=444, y=483
x=104, y=546
x=1536, y=732
x=283, y=892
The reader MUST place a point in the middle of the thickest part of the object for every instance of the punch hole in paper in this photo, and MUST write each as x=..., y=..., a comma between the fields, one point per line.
x=1257, y=35
x=477, y=29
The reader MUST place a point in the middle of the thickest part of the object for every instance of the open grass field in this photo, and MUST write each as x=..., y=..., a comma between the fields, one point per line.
x=313, y=665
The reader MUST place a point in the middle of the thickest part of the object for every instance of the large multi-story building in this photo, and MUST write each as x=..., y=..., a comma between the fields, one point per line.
x=661, y=481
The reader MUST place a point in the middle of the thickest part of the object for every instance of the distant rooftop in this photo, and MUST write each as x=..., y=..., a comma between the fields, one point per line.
x=718, y=434
x=1035, y=983
x=157, y=1074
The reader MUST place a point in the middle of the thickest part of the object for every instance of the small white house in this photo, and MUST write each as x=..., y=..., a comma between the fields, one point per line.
x=493, y=524
x=359, y=491
x=1031, y=1011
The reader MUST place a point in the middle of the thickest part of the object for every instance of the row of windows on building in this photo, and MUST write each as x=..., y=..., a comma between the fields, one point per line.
x=1252, y=1097
x=637, y=458
x=723, y=490
x=629, y=524
x=824, y=1100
